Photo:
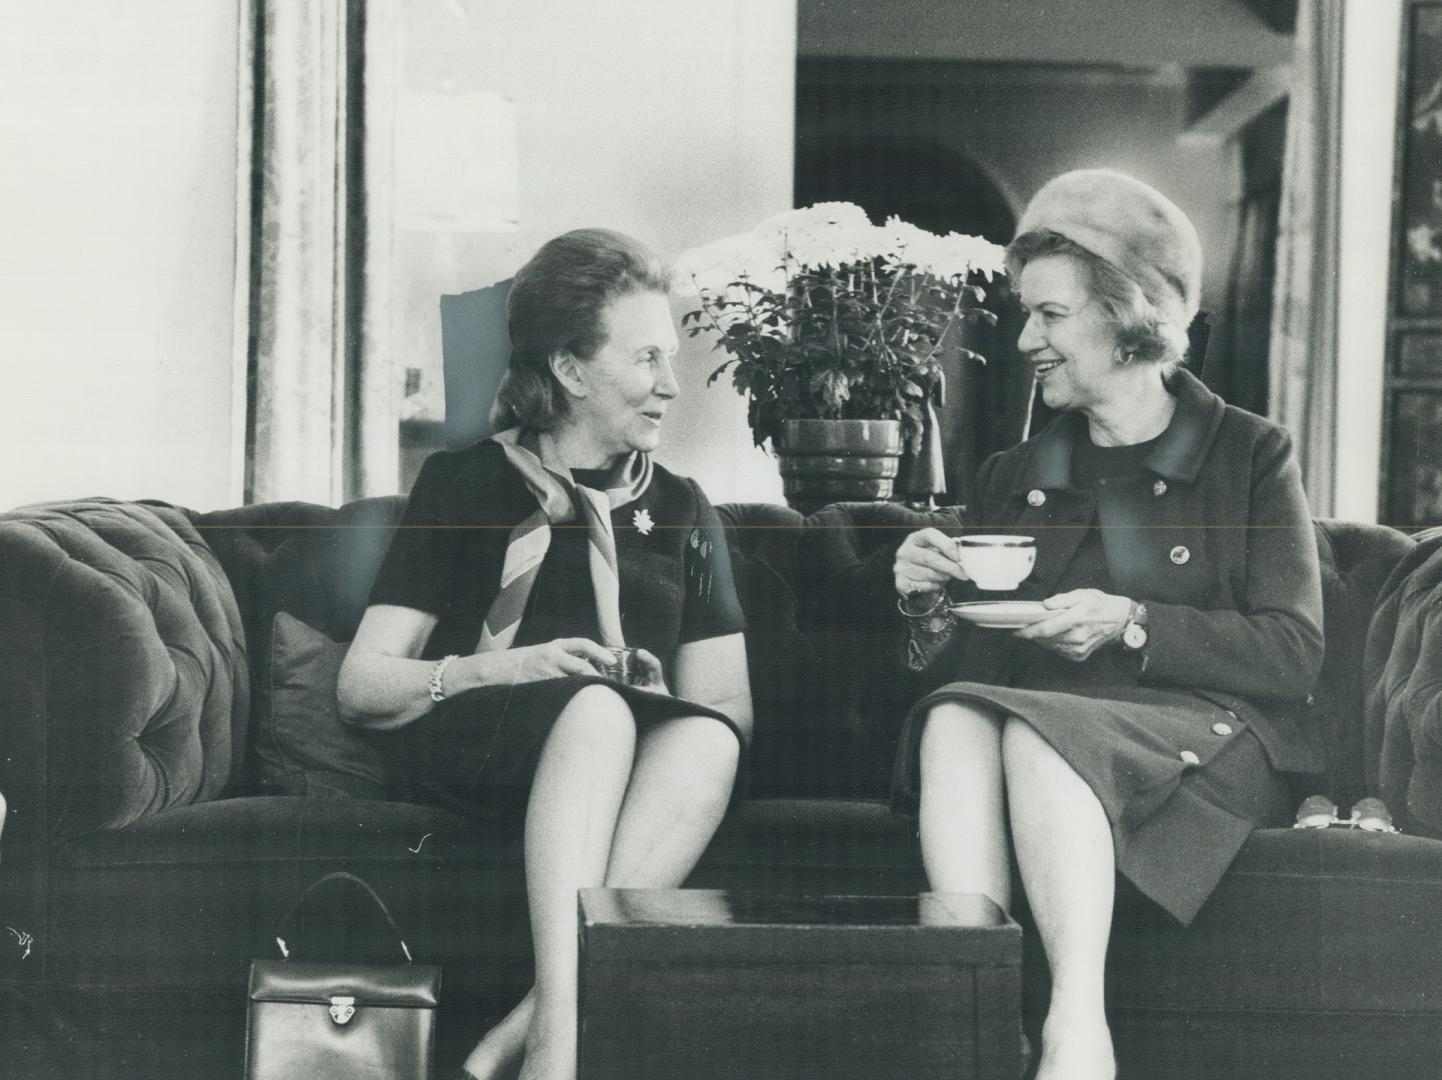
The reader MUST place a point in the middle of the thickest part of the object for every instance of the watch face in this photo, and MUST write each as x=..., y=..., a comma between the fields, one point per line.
x=1134, y=636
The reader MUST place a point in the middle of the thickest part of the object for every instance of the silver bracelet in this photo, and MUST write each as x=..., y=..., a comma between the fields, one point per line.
x=438, y=692
x=901, y=605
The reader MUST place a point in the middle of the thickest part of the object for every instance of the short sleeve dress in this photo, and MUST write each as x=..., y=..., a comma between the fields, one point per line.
x=480, y=747
x=1186, y=756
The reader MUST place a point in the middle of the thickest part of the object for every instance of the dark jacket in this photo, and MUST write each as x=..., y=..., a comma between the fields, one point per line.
x=1215, y=538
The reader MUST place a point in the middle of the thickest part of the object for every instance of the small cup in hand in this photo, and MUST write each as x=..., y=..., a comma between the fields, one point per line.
x=996, y=563
x=624, y=667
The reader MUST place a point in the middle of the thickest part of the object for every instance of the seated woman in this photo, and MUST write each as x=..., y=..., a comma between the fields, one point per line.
x=519, y=563
x=1141, y=724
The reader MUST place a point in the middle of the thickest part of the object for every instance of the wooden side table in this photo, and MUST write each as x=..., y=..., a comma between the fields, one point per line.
x=699, y=984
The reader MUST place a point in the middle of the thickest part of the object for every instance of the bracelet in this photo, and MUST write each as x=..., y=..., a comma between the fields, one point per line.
x=901, y=606
x=438, y=692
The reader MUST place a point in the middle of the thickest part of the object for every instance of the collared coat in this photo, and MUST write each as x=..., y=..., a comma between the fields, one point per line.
x=1214, y=536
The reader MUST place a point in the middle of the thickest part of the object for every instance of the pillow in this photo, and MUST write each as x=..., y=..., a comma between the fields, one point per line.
x=302, y=746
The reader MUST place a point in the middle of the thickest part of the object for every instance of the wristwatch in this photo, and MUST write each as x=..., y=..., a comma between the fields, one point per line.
x=1134, y=633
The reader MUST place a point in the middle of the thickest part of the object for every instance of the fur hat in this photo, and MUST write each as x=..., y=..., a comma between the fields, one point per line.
x=1132, y=226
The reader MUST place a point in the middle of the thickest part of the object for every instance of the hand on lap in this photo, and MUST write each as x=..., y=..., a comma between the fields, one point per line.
x=1081, y=621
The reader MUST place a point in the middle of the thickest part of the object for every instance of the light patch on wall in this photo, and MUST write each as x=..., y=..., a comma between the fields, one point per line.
x=457, y=166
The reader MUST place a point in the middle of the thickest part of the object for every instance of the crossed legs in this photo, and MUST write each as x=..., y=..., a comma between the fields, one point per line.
x=990, y=783
x=605, y=808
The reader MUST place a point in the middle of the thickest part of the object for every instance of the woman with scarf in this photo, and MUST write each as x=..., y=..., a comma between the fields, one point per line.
x=519, y=564
x=1144, y=723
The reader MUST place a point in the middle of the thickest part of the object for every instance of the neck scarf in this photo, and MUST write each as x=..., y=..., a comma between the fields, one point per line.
x=560, y=500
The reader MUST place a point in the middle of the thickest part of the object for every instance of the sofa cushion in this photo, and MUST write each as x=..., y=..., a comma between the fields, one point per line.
x=1315, y=944
x=302, y=746
x=187, y=897
x=841, y=846
x=143, y=675
x=314, y=562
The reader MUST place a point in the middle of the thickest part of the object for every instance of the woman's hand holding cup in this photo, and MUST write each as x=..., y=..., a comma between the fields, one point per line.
x=635, y=667
x=926, y=563
x=557, y=659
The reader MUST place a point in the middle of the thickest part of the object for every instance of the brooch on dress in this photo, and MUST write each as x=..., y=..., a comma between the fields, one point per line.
x=643, y=522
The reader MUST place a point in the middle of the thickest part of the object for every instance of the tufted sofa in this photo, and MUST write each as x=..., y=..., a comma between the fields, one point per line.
x=142, y=866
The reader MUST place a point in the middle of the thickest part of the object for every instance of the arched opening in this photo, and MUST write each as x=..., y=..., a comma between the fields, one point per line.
x=940, y=189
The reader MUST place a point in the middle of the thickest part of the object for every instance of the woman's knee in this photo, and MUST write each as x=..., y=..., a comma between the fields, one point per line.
x=1024, y=750
x=599, y=713
x=959, y=727
x=710, y=751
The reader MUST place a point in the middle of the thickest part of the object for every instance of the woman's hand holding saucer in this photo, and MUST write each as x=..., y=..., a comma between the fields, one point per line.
x=1081, y=622
x=926, y=563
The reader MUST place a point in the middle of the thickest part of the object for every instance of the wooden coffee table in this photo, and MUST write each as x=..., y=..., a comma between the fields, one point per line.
x=699, y=984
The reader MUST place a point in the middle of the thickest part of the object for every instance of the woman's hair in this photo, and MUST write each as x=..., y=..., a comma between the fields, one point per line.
x=1144, y=334
x=557, y=303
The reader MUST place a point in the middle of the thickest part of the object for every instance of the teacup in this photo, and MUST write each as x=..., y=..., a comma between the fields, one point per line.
x=996, y=563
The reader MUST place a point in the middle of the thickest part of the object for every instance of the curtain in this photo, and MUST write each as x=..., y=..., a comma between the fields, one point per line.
x=322, y=421
x=1237, y=362
x=1304, y=323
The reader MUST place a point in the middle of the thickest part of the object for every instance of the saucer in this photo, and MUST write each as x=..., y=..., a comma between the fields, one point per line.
x=1000, y=614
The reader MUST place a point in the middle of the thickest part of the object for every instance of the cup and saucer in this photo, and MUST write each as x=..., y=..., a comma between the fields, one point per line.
x=997, y=563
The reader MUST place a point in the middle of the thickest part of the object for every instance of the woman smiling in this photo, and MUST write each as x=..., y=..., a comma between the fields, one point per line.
x=519, y=565
x=1143, y=722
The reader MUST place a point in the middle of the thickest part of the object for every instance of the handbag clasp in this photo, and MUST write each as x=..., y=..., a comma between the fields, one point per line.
x=342, y=1009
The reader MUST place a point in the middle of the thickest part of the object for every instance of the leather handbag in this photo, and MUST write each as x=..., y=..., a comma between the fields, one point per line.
x=317, y=1020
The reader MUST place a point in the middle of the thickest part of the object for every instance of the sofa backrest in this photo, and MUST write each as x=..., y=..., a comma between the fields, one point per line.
x=847, y=549
x=143, y=654
x=122, y=676
x=317, y=564
x=823, y=636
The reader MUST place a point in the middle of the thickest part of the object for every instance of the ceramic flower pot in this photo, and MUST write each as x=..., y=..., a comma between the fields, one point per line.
x=824, y=461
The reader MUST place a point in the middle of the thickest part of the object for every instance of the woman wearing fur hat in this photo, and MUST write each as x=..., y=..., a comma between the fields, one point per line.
x=1143, y=723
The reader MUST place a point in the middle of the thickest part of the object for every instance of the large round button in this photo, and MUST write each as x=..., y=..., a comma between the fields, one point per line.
x=1222, y=728
x=1035, y=497
x=1159, y=488
x=1180, y=555
x=1189, y=757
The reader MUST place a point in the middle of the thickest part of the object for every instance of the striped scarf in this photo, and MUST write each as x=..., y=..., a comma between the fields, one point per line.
x=560, y=500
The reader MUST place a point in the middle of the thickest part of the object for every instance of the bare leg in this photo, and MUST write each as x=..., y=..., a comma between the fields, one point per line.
x=570, y=821
x=680, y=787
x=964, y=841
x=1068, y=867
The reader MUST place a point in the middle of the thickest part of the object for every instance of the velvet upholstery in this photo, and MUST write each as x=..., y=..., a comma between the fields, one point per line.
x=301, y=745
x=131, y=630
x=140, y=858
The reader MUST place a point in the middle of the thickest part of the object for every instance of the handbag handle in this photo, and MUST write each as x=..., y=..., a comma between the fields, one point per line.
x=339, y=876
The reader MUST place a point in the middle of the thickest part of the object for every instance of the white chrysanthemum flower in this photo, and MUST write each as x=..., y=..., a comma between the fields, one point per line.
x=957, y=253
x=906, y=243
x=713, y=267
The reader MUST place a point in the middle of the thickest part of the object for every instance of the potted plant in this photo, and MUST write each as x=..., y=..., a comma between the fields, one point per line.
x=834, y=329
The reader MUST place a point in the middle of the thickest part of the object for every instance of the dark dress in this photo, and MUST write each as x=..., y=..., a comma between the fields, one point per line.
x=480, y=747
x=1179, y=760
